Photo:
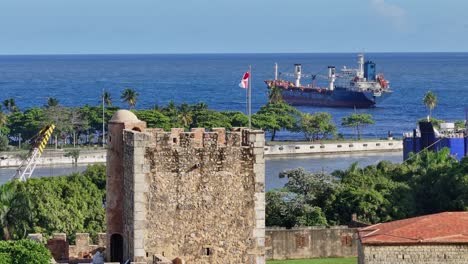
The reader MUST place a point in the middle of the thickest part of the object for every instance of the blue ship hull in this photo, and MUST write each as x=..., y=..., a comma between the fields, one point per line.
x=339, y=97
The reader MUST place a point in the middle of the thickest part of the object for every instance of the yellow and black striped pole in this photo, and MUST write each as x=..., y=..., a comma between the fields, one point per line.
x=46, y=132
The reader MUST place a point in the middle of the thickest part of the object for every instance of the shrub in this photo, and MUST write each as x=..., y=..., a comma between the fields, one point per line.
x=23, y=251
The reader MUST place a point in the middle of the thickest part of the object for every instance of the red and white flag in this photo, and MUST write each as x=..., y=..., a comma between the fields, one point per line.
x=244, y=83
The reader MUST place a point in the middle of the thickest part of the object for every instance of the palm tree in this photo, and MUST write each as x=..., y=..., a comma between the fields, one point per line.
x=185, y=114
x=107, y=98
x=200, y=106
x=10, y=104
x=15, y=212
x=430, y=100
x=6, y=198
x=129, y=96
x=52, y=101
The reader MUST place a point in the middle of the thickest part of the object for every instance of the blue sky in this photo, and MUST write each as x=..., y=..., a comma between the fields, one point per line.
x=231, y=26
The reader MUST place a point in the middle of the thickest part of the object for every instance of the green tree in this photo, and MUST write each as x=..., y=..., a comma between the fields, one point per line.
x=236, y=118
x=275, y=95
x=273, y=117
x=129, y=96
x=430, y=101
x=24, y=251
x=27, y=123
x=52, y=102
x=4, y=130
x=3, y=142
x=154, y=118
x=10, y=105
x=301, y=201
x=185, y=115
x=15, y=212
x=372, y=194
x=106, y=97
x=59, y=116
x=460, y=124
x=358, y=121
x=70, y=204
x=210, y=119
x=317, y=126
x=74, y=154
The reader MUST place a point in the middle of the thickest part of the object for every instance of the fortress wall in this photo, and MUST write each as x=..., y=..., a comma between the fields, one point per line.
x=197, y=195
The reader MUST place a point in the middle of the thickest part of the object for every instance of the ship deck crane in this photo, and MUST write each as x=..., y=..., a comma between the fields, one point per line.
x=26, y=169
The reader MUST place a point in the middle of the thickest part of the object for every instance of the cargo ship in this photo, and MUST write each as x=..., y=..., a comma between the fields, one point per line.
x=358, y=88
x=427, y=137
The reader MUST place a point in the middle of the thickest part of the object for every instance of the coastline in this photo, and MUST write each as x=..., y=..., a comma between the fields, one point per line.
x=272, y=149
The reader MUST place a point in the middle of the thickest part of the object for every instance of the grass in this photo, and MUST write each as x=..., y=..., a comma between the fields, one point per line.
x=316, y=261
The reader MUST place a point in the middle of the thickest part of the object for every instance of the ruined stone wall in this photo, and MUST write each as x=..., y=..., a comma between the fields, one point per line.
x=62, y=251
x=414, y=254
x=311, y=242
x=198, y=196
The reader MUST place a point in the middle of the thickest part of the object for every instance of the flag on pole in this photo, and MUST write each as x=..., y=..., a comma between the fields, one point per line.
x=244, y=83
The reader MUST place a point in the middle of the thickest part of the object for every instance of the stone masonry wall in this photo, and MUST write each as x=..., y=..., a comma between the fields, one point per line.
x=414, y=254
x=198, y=195
x=311, y=242
x=61, y=250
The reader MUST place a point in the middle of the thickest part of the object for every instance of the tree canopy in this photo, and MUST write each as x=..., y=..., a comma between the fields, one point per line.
x=68, y=204
x=317, y=126
x=276, y=116
x=358, y=121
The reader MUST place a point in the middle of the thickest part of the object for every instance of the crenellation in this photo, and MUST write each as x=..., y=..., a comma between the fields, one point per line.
x=221, y=131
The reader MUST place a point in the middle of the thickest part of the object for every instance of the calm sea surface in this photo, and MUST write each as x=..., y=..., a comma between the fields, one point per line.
x=79, y=79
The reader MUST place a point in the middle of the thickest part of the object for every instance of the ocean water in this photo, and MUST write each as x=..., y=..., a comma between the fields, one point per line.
x=79, y=79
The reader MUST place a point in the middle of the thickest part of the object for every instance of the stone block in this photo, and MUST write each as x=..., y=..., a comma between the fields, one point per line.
x=101, y=239
x=82, y=240
x=221, y=135
x=139, y=252
x=35, y=237
x=259, y=232
x=59, y=236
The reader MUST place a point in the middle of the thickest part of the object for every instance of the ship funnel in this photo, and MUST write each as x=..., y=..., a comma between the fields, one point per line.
x=360, y=72
x=276, y=71
x=331, y=77
x=297, y=74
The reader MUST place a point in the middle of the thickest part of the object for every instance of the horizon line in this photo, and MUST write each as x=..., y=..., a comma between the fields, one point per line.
x=225, y=53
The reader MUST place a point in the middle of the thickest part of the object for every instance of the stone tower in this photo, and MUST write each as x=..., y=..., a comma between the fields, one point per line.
x=120, y=121
x=196, y=196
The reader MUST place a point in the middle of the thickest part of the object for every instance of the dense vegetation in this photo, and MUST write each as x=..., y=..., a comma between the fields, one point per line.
x=68, y=204
x=426, y=183
x=83, y=125
x=23, y=251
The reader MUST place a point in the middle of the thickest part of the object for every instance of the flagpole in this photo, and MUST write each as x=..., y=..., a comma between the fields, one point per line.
x=250, y=97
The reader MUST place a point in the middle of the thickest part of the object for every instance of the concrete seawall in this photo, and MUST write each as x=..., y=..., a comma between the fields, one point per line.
x=89, y=156
x=293, y=149
x=54, y=157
